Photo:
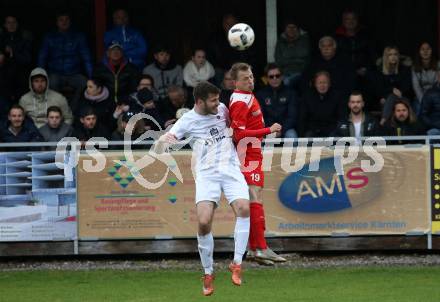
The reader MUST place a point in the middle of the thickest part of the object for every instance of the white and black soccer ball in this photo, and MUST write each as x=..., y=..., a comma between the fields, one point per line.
x=241, y=36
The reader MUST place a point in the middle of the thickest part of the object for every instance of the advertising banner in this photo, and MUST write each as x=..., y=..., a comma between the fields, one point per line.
x=435, y=190
x=325, y=196
x=37, y=202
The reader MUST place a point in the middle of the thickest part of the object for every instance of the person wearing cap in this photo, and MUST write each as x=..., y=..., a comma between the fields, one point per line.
x=117, y=74
x=119, y=133
x=89, y=127
x=66, y=57
x=131, y=39
x=164, y=71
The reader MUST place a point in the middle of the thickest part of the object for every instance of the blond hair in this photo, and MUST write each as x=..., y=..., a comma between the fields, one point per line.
x=386, y=69
x=237, y=67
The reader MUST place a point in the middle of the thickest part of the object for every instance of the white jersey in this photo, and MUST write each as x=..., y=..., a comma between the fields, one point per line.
x=210, y=139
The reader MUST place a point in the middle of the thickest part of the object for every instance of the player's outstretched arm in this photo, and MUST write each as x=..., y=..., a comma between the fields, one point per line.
x=239, y=133
x=164, y=142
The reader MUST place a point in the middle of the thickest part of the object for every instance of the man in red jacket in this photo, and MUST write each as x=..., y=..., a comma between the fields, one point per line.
x=248, y=125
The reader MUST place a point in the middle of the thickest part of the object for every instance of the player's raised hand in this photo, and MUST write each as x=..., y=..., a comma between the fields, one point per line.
x=275, y=128
x=168, y=138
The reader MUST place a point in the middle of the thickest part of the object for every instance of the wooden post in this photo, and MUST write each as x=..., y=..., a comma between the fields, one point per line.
x=271, y=28
x=100, y=26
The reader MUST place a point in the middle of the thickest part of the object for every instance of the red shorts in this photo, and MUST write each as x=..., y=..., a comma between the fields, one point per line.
x=256, y=176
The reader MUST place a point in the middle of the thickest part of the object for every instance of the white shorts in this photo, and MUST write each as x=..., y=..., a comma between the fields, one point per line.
x=210, y=188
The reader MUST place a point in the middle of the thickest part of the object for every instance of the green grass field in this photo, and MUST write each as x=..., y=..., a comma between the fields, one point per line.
x=334, y=284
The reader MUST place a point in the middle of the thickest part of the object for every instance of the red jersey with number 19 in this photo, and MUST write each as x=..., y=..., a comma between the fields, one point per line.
x=247, y=121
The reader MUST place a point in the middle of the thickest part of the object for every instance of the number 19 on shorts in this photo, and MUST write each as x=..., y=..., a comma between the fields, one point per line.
x=255, y=177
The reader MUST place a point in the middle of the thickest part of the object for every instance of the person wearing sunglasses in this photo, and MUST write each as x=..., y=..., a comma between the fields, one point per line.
x=278, y=102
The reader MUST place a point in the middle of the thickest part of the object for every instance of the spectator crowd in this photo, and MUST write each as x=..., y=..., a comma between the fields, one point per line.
x=345, y=89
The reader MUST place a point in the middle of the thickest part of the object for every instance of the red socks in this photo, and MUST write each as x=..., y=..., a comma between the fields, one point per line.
x=257, y=228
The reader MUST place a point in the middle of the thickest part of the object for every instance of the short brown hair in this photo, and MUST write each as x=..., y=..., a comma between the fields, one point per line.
x=16, y=106
x=237, y=67
x=356, y=93
x=54, y=109
x=203, y=90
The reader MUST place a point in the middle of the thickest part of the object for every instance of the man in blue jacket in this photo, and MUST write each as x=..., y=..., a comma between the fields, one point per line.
x=18, y=128
x=61, y=54
x=131, y=39
x=278, y=102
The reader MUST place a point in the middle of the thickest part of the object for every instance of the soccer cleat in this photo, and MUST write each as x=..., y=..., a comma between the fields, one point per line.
x=268, y=254
x=250, y=255
x=266, y=262
x=208, y=285
x=236, y=273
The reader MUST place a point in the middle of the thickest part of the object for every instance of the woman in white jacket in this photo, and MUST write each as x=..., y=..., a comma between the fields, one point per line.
x=197, y=69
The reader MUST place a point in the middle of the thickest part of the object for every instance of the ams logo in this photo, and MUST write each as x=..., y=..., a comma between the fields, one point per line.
x=325, y=191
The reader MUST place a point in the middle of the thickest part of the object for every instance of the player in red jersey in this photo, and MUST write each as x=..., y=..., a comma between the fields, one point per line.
x=247, y=123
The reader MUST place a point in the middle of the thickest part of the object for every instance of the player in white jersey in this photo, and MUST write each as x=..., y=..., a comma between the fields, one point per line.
x=217, y=170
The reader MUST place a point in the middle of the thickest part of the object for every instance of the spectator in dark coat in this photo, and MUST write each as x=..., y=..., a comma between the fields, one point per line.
x=164, y=71
x=321, y=107
x=17, y=44
x=175, y=101
x=7, y=76
x=430, y=112
x=227, y=87
x=18, y=128
x=403, y=122
x=119, y=133
x=278, y=102
x=131, y=39
x=391, y=80
x=97, y=96
x=339, y=67
x=117, y=74
x=292, y=52
x=358, y=123
x=90, y=126
x=143, y=102
x=66, y=56
x=354, y=43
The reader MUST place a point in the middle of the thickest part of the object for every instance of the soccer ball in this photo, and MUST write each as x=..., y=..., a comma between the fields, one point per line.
x=241, y=36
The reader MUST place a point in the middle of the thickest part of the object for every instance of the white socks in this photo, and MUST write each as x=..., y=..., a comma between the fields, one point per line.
x=241, y=237
x=206, y=249
x=206, y=245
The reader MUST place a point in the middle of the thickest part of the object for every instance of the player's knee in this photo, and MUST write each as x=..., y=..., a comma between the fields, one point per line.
x=242, y=209
x=204, y=225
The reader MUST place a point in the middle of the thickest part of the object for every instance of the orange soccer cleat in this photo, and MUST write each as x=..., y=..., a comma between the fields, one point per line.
x=236, y=273
x=208, y=285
